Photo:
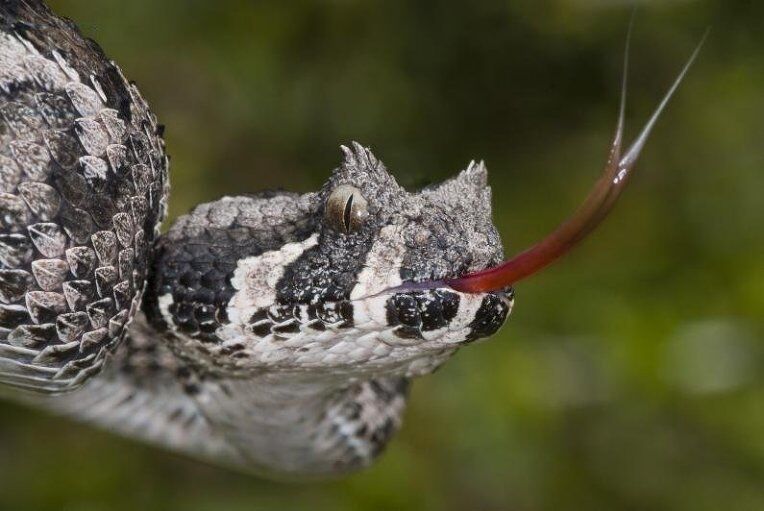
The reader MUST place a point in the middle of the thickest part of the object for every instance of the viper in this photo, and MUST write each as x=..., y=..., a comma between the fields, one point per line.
x=275, y=332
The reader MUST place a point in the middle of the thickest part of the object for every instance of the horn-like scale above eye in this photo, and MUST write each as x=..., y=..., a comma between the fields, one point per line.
x=346, y=209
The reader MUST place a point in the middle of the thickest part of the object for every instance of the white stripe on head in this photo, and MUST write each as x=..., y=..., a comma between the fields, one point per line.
x=255, y=279
x=164, y=302
x=381, y=270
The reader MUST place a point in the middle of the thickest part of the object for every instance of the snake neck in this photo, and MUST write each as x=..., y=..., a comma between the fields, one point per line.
x=279, y=424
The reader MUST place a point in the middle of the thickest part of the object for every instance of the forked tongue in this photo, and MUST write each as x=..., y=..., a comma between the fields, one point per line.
x=595, y=208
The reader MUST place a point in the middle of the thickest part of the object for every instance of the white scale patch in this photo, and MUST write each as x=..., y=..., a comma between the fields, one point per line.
x=381, y=268
x=255, y=279
x=20, y=61
x=459, y=327
x=164, y=303
x=380, y=272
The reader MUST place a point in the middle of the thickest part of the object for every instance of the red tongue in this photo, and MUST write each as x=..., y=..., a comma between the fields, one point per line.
x=588, y=216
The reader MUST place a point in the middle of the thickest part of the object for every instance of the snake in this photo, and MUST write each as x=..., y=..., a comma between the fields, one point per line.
x=273, y=332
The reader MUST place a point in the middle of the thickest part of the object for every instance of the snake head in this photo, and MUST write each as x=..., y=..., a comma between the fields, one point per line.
x=351, y=278
x=380, y=256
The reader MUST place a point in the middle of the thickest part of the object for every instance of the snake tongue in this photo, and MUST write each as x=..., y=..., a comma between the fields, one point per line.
x=595, y=208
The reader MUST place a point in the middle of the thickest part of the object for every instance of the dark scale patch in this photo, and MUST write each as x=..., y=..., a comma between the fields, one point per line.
x=431, y=312
x=19, y=88
x=421, y=311
x=403, y=309
x=284, y=321
x=197, y=259
x=352, y=410
x=368, y=415
x=327, y=272
x=199, y=284
x=192, y=389
x=346, y=313
x=291, y=327
x=489, y=317
x=333, y=314
x=204, y=313
x=261, y=323
x=317, y=325
x=408, y=332
x=449, y=303
x=387, y=391
x=381, y=435
x=260, y=316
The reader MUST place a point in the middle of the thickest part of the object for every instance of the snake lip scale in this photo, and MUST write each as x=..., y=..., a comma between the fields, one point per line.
x=277, y=332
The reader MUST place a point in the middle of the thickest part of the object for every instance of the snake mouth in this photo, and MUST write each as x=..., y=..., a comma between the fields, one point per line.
x=438, y=284
x=590, y=214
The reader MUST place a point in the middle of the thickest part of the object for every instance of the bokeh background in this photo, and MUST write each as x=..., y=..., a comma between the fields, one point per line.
x=631, y=376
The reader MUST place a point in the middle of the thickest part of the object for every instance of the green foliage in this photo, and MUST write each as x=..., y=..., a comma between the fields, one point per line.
x=629, y=376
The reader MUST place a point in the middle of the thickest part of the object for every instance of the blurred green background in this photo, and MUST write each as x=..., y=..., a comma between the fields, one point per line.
x=631, y=376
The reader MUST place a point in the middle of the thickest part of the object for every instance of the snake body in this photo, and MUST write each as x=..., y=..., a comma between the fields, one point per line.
x=276, y=332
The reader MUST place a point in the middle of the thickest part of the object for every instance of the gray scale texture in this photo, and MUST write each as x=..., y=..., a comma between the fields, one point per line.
x=82, y=189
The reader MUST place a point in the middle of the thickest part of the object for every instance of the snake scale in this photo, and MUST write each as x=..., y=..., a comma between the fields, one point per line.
x=275, y=332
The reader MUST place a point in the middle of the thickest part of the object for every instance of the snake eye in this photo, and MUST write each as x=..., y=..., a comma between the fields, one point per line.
x=346, y=209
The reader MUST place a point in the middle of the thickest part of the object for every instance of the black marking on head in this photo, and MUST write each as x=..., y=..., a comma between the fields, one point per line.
x=449, y=303
x=403, y=309
x=421, y=311
x=260, y=315
x=326, y=272
x=317, y=325
x=262, y=329
x=441, y=232
x=292, y=327
x=346, y=313
x=489, y=317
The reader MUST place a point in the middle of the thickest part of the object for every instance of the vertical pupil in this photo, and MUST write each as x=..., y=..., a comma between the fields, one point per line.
x=346, y=214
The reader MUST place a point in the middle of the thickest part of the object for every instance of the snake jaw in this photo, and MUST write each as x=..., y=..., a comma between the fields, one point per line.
x=590, y=214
